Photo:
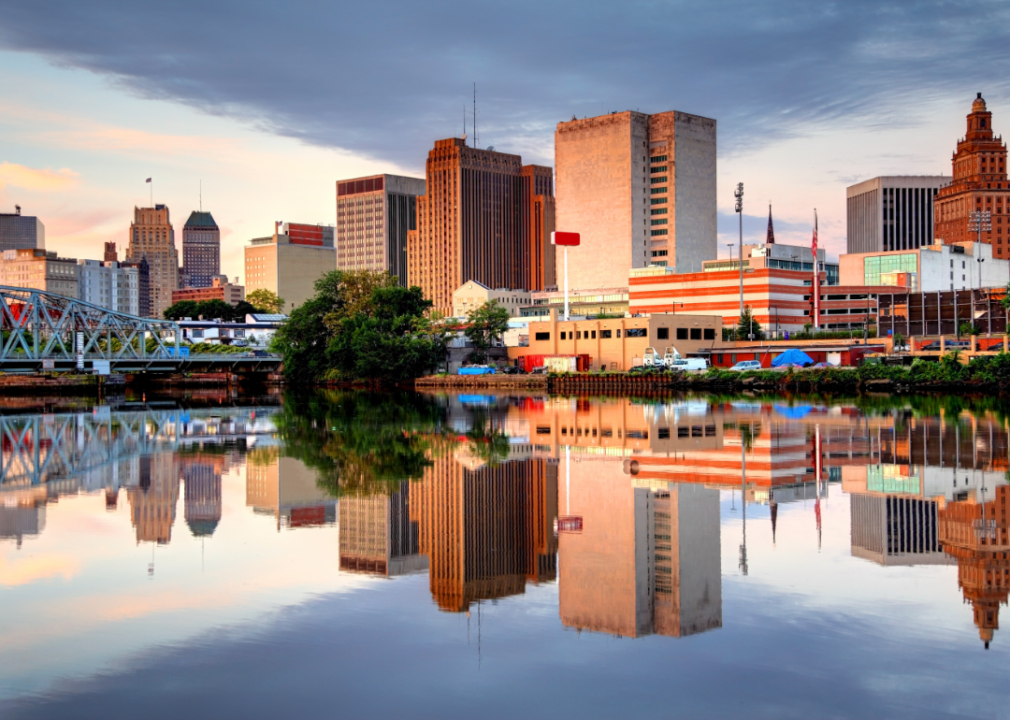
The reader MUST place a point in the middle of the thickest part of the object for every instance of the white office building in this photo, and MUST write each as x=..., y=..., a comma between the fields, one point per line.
x=109, y=285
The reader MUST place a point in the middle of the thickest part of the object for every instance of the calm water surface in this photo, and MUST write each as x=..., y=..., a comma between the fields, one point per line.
x=383, y=555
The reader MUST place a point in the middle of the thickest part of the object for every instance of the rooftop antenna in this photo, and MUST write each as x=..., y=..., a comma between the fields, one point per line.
x=475, y=142
x=464, y=124
x=201, y=195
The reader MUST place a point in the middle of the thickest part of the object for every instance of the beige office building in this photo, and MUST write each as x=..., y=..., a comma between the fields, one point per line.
x=40, y=270
x=290, y=261
x=152, y=237
x=472, y=294
x=641, y=189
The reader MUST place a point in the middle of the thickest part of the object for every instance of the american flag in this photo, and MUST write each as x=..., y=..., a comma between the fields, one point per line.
x=813, y=248
x=148, y=180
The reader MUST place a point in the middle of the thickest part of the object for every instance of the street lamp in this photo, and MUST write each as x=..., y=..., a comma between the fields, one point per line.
x=739, y=211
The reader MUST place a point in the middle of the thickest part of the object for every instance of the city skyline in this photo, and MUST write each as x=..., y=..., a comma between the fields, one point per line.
x=86, y=131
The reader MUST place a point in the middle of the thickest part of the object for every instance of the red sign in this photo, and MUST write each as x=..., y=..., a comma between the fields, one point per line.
x=305, y=234
x=568, y=524
x=565, y=238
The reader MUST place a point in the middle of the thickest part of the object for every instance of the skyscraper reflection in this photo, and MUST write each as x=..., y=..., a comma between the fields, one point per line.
x=154, y=498
x=486, y=527
x=377, y=535
x=202, y=481
x=975, y=532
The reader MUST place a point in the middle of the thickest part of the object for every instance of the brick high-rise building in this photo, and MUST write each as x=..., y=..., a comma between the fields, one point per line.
x=110, y=252
x=374, y=215
x=201, y=249
x=485, y=217
x=980, y=183
x=641, y=189
x=152, y=238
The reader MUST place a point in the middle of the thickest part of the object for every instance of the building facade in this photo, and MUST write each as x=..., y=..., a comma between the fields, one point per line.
x=201, y=249
x=21, y=232
x=485, y=217
x=219, y=289
x=152, y=238
x=891, y=213
x=374, y=215
x=40, y=270
x=979, y=184
x=779, y=300
x=109, y=285
x=779, y=256
x=620, y=343
x=640, y=189
x=471, y=295
x=143, y=284
x=290, y=261
x=929, y=269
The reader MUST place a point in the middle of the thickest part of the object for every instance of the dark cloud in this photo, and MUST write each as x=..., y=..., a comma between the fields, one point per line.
x=386, y=79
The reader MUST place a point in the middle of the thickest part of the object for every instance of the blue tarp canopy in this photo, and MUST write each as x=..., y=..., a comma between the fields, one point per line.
x=792, y=357
x=796, y=412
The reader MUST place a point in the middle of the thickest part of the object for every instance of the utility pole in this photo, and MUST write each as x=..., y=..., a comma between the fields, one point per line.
x=739, y=211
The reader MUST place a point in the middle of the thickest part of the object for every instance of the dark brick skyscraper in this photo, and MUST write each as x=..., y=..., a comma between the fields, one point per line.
x=980, y=183
x=484, y=217
x=201, y=249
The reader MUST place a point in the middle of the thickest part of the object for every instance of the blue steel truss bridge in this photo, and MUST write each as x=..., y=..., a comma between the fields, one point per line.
x=43, y=331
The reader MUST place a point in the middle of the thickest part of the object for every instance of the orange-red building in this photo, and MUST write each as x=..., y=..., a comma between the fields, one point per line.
x=220, y=289
x=484, y=216
x=979, y=184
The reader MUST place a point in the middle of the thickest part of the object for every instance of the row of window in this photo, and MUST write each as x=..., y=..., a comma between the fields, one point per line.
x=660, y=232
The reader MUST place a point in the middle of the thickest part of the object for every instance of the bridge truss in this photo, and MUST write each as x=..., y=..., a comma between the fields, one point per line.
x=38, y=325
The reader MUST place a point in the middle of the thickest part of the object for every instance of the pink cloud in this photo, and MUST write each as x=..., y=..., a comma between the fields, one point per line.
x=35, y=179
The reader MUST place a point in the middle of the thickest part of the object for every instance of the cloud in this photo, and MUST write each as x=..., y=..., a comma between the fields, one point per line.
x=33, y=179
x=387, y=83
x=25, y=572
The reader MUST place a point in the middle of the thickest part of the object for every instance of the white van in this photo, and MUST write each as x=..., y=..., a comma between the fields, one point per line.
x=687, y=364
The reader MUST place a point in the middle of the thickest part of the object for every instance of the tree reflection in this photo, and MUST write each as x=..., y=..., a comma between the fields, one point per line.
x=362, y=443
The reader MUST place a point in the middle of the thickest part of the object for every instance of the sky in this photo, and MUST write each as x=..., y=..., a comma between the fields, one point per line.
x=266, y=105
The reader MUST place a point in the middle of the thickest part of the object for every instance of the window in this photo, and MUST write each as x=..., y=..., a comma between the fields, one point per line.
x=657, y=180
x=658, y=158
x=594, y=335
x=710, y=335
x=660, y=221
x=658, y=168
x=659, y=211
x=605, y=334
x=659, y=232
x=618, y=333
x=657, y=201
x=542, y=336
x=578, y=334
x=663, y=333
x=563, y=335
x=636, y=332
x=696, y=333
x=664, y=433
x=655, y=191
x=682, y=333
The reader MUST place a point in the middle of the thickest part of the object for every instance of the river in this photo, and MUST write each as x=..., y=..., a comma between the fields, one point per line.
x=351, y=554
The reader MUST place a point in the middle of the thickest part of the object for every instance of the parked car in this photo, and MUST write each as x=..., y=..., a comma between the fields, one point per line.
x=539, y=370
x=685, y=364
x=949, y=345
x=745, y=365
x=513, y=370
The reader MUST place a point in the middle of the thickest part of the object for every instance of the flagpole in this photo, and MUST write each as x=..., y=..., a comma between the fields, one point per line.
x=151, y=183
x=816, y=287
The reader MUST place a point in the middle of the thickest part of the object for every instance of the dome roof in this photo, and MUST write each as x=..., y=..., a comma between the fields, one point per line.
x=979, y=104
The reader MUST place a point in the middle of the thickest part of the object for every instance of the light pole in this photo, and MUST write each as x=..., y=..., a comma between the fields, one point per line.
x=739, y=211
x=978, y=220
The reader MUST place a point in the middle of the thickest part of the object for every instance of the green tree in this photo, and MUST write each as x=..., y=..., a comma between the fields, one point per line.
x=180, y=310
x=339, y=334
x=215, y=310
x=748, y=327
x=265, y=301
x=968, y=328
x=242, y=309
x=486, y=324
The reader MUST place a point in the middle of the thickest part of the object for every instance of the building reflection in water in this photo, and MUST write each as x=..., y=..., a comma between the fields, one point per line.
x=485, y=527
x=202, y=481
x=377, y=535
x=287, y=489
x=974, y=532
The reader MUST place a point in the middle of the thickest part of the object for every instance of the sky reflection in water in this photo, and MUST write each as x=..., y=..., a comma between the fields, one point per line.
x=371, y=555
